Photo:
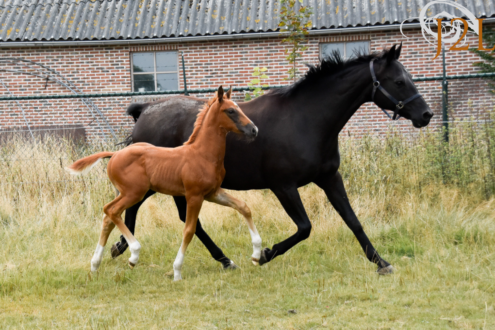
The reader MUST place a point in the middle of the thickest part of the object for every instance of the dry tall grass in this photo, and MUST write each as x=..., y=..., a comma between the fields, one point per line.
x=427, y=207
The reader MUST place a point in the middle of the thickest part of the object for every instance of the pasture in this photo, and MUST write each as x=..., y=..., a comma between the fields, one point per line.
x=428, y=208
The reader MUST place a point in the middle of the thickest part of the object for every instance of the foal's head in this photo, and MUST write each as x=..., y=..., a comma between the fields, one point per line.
x=230, y=116
x=226, y=114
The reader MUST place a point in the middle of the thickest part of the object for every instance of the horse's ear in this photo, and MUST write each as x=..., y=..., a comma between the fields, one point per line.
x=229, y=92
x=220, y=93
x=397, y=52
x=391, y=54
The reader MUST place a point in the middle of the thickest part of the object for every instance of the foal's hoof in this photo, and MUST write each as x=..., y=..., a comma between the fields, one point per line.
x=263, y=258
x=131, y=265
x=230, y=266
x=385, y=270
x=255, y=261
x=118, y=248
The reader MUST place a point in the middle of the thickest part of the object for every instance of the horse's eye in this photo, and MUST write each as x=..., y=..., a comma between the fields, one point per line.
x=231, y=111
x=399, y=83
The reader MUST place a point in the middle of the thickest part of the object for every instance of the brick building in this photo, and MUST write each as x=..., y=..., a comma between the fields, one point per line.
x=68, y=46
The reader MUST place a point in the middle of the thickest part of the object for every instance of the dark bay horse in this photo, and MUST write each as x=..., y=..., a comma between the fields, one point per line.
x=298, y=139
x=193, y=171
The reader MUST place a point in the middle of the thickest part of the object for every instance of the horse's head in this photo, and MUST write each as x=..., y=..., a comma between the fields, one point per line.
x=397, y=82
x=231, y=117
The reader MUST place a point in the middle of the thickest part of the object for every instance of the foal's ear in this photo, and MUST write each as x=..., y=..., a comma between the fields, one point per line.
x=391, y=55
x=220, y=93
x=229, y=92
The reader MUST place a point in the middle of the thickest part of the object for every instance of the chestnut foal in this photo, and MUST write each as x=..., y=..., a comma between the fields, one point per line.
x=194, y=170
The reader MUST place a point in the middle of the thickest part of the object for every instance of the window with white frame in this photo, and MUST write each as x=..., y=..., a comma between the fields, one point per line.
x=347, y=49
x=155, y=71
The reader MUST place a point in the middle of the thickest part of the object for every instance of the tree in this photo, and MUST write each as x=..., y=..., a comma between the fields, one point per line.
x=256, y=84
x=488, y=65
x=294, y=23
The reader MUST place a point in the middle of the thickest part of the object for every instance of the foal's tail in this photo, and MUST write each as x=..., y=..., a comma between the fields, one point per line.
x=84, y=165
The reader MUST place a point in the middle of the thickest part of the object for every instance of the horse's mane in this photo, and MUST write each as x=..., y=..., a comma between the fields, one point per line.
x=200, y=119
x=329, y=66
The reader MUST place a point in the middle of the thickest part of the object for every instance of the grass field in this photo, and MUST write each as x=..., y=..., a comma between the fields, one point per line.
x=427, y=207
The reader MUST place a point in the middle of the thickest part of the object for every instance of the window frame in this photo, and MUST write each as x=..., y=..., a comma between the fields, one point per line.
x=345, y=48
x=154, y=68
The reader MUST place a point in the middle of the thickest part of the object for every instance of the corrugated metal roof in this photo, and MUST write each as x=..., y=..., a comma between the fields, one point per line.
x=57, y=20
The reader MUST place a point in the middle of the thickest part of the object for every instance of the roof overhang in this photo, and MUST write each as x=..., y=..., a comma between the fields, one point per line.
x=251, y=35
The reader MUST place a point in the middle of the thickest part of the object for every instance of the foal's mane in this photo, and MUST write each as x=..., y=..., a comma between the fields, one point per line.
x=200, y=119
x=329, y=66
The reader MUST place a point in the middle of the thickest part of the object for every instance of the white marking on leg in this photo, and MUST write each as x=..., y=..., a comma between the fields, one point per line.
x=135, y=247
x=256, y=240
x=97, y=257
x=179, y=260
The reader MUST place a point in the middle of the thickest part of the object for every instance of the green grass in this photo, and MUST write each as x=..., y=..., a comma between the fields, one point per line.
x=443, y=279
x=437, y=230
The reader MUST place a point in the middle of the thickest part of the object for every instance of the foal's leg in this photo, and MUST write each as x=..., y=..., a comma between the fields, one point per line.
x=222, y=198
x=114, y=211
x=130, y=221
x=194, y=204
x=106, y=229
x=215, y=251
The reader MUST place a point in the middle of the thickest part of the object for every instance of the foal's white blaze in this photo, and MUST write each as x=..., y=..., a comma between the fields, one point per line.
x=179, y=260
x=97, y=257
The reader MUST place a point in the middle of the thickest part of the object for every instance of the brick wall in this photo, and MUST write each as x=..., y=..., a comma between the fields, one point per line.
x=94, y=69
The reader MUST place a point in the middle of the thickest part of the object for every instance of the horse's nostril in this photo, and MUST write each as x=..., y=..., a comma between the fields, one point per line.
x=428, y=114
x=254, y=131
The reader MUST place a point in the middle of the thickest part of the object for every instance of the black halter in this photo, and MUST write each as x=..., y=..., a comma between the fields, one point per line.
x=398, y=104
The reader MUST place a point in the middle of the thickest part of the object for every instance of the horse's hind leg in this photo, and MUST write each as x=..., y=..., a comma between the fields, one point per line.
x=106, y=229
x=222, y=198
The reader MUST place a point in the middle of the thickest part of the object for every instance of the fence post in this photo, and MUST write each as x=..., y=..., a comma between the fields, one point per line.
x=184, y=74
x=445, y=100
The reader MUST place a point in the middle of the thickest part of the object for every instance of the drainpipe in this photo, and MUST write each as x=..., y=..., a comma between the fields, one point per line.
x=445, y=99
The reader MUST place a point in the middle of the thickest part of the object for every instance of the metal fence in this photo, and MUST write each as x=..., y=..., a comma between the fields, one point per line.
x=29, y=144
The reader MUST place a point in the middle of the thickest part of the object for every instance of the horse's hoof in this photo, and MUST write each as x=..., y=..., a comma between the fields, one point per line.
x=118, y=248
x=227, y=263
x=255, y=261
x=230, y=266
x=131, y=265
x=385, y=270
x=263, y=259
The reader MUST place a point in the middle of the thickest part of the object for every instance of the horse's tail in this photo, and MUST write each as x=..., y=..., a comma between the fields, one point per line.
x=135, y=110
x=85, y=164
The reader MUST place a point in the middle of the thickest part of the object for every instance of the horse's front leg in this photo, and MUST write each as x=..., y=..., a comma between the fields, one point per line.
x=223, y=198
x=194, y=204
x=291, y=201
x=335, y=191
